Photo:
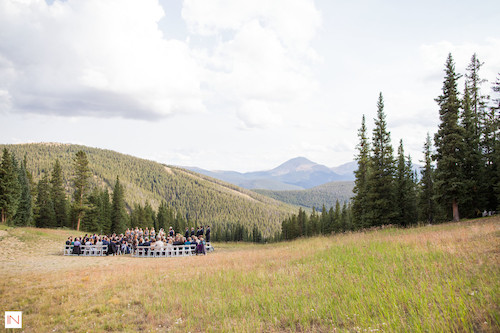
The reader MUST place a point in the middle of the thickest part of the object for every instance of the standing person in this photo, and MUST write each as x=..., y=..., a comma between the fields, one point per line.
x=171, y=232
x=192, y=232
x=186, y=234
x=207, y=234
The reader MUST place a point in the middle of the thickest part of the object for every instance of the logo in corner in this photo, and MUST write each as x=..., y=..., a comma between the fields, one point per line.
x=13, y=319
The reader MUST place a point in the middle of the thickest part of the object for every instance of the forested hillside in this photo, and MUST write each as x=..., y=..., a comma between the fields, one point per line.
x=196, y=198
x=319, y=196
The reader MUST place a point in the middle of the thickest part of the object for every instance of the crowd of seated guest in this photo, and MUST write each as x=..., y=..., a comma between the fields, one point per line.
x=129, y=241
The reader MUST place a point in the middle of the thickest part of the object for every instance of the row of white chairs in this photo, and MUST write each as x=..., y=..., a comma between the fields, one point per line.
x=87, y=250
x=168, y=251
x=141, y=251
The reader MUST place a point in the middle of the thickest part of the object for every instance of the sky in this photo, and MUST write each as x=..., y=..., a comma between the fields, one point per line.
x=231, y=84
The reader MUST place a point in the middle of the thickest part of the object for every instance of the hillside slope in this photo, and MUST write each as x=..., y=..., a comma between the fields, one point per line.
x=197, y=197
x=326, y=194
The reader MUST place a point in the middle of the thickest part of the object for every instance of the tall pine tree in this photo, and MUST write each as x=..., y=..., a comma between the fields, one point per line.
x=359, y=201
x=493, y=141
x=59, y=195
x=380, y=196
x=81, y=182
x=449, y=142
x=118, y=210
x=24, y=213
x=405, y=190
x=45, y=217
x=9, y=186
x=427, y=206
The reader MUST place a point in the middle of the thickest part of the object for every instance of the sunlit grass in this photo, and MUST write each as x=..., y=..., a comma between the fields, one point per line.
x=440, y=278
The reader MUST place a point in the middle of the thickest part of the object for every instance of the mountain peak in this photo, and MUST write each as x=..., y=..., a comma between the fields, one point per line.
x=295, y=164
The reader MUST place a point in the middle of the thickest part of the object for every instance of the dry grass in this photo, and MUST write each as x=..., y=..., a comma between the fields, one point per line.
x=435, y=278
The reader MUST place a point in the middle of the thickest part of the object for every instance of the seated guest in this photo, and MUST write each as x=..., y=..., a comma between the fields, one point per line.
x=159, y=246
x=200, y=247
x=170, y=246
x=187, y=242
x=171, y=232
x=76, y=246
x=178, y=241
x=147, y=245
x=124, y=247
x=69, y=241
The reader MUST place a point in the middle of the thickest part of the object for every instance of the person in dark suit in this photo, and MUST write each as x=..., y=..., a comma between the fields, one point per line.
x=111, y=248
x=207, y=234
x=192, y=231
x=148, y=244
x=186, y=234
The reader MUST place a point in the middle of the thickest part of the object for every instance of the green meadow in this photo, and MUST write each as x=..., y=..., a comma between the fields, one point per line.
x=441, y=278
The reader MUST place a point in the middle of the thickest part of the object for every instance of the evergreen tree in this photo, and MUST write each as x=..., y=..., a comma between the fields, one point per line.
x=449, y=142
x=473, y=170
x=336, y=219
x=493, y=125
x=24, y=214
x=405, y=190
x=45, y=217
x=9, y=186
x=344, y=218
x=162, y=216
x=59, y=195
x=104, y=212
x=81, y=182
x=118, y=210
x=314, y=223
x=359, y=201
x=380, y=196
x=490, y=145
x=324, y=220
x=150, y=216
x=427, y=206
x=92, y=220
x=477, y=101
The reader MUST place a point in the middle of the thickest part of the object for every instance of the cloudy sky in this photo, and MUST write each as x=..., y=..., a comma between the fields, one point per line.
x=230, y=84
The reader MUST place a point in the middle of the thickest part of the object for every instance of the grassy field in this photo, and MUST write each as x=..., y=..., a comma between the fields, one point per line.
x=443, y=278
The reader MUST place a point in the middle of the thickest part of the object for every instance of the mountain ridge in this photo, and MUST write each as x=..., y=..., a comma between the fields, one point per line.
x=298, y=173
x=197, y=197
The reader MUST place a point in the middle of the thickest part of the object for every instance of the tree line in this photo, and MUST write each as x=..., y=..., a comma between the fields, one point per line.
x=460, y=176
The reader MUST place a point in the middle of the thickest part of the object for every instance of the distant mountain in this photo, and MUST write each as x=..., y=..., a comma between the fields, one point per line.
x=199, y=198
x=326, y=194
x=296, y=174
x=346, y=169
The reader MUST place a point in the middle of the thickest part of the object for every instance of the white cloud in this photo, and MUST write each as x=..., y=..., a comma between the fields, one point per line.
x=91, y=57
x=262, y=55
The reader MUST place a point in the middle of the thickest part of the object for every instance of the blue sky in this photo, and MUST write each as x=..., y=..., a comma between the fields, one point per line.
x=235, y=85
